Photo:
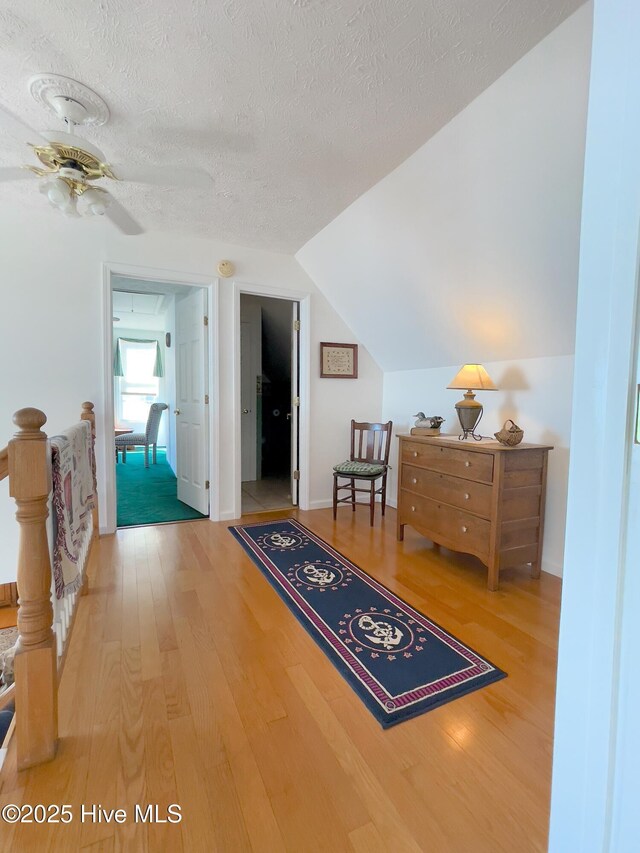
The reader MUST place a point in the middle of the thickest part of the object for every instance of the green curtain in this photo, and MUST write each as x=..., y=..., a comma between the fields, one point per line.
x=117, y=359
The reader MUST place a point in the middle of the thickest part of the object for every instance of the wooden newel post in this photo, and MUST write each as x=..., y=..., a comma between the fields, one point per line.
x=35, y=662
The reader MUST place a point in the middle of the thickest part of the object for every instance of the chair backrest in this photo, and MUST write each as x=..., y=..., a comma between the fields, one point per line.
x=370, y=442
x=153, y=421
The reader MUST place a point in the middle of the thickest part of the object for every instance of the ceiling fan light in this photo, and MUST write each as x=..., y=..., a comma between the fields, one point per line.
x=71, y=208
x=94, y=202
x=58, y=192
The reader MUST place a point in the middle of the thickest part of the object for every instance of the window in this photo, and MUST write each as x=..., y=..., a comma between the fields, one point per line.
x=138, y=388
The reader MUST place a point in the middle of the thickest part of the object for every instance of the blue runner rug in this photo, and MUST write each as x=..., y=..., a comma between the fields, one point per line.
x=400, y=663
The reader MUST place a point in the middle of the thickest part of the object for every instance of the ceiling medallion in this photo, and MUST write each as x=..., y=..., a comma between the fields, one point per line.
x=69, y=100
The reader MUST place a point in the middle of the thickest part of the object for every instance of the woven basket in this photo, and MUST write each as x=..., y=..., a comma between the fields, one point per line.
x=510, y=435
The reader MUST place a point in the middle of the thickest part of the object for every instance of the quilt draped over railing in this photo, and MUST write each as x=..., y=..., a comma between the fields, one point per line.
x=73, y=474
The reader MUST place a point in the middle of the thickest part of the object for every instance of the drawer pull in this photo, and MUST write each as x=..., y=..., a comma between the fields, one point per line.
x=414, y=480
x=467, y=496
x=415, y=452
x=464, y=528
x=413, y=509
x=467, y=464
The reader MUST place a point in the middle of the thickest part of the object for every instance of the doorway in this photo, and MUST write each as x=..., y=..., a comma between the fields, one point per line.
x=269, y=398
x=160, y=346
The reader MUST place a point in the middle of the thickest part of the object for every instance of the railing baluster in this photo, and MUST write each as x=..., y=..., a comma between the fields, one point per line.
x=88, y=414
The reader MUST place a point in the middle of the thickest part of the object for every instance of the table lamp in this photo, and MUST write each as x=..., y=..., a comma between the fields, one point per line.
x=473, y=377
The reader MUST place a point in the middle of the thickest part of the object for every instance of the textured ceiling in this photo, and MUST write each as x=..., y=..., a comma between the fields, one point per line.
x=295, y=107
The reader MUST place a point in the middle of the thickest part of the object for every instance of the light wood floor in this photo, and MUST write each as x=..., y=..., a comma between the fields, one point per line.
x=188, y=681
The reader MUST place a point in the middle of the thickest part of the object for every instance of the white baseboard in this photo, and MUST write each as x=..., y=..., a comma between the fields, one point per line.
x=551, y=567
x=326, y=503
x=229, y=515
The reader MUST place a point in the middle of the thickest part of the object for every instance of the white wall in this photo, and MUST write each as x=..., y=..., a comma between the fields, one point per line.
x=51, y=334
x=535, y=393
x=594, y=803
x=468, y=251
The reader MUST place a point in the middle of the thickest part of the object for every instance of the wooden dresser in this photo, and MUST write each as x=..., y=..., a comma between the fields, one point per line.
x=478, y=497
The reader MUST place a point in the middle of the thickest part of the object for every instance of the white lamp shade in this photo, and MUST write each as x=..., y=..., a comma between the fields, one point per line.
x=93, y=202
x=58, y=192
x=472, y=377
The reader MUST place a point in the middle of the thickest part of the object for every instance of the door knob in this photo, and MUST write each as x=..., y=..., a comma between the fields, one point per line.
x=245, y=411
x=176, y=411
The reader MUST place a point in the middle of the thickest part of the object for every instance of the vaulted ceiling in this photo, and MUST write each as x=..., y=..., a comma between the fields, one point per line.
x=295, y=107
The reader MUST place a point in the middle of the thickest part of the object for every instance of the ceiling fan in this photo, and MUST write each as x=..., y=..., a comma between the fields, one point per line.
x=70, y=168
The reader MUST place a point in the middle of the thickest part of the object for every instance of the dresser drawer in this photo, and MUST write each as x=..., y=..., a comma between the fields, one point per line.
x=453, y=527
x=449, y=460
x=465, y=494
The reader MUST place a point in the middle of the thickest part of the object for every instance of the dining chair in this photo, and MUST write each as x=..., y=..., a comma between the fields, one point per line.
x=147, y=438
x=368, y=461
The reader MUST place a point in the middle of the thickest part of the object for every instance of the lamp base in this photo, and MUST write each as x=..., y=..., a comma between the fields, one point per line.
x=469, y=414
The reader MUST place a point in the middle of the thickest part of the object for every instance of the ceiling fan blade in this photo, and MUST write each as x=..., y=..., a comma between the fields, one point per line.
x=121, y=219
x=14, y=173
x=163, y=176
x=16, y=127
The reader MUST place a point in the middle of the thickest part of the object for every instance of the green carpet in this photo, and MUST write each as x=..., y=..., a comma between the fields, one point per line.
x=149, y=495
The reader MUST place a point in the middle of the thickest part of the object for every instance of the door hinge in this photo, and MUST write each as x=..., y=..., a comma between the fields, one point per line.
x=296, y=401
x=296, y=475
x=206, y=320
x=206, y=484
x=296, y=325
x=206, y=399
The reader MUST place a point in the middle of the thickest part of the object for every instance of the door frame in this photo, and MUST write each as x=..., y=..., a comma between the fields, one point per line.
x=186, y=279
x=304, y=300
x=253, y=464
x=595, y=761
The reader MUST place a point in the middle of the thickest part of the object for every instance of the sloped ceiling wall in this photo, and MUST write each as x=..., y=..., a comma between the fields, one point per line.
x=294, y=107
x=469, y=250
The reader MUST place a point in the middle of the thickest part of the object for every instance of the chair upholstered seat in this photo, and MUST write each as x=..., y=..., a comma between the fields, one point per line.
x=361, y=469
x=148, y=438
x=130, y=438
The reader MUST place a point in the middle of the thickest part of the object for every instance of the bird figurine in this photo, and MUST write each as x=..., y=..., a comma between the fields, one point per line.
x=430, y=422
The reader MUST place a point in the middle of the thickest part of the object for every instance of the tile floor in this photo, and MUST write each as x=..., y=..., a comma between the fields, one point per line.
x=266, y=494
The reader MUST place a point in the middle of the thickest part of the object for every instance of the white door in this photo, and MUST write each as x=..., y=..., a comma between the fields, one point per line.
x=295, y=402
x=192, y=459
x=250, y=376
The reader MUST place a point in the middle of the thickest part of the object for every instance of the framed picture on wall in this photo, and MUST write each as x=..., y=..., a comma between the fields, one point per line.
x=338, y=361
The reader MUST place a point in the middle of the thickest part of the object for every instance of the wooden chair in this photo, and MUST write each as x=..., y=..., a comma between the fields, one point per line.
x=146, y=438
x=369, y=461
